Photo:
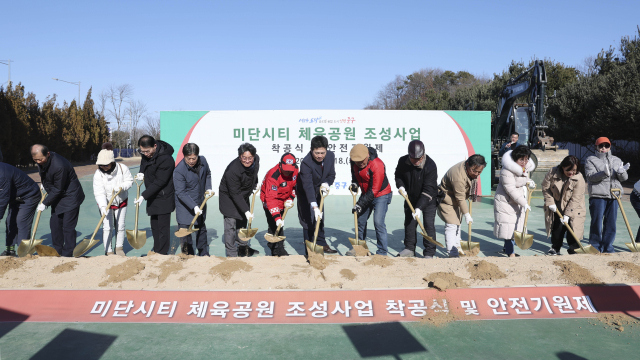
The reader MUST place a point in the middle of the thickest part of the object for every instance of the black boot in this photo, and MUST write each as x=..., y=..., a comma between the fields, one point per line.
x=280, y=249
x=274, y=248
x=10, y=251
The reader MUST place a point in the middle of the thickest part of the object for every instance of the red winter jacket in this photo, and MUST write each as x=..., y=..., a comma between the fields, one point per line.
x=276, y=189
x=372, y=179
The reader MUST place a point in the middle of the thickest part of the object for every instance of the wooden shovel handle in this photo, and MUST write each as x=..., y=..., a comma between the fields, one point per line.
x=315, y=234
x=355, y=214
x=470, y=214
x=135, y=226
x=526, y=213
x=201, y=207
x=35, y=226
x=113, y=196
x=253, y=201
x=624, y=215
x=404, y=195
x=284, y=215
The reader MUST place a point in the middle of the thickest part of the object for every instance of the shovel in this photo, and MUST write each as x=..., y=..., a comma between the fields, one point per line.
x=27, y=247
x=633, y=246
x=137, y=238
x=424, y=233
x=248, y=233
x=524, y=240
x=86, y=244
x=587, y=249
x=312, y=246
x=275, y=238
x=184, y=232
x=470, y=245
x=356, y=241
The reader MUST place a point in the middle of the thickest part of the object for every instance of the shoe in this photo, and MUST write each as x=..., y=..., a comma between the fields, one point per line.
x=350, y=253
x=407, y=253
x=280, y=249
x=107, y=253
x=8, y=252
x=328, y=250
x=245, y=251
x=186, y=248
x=571, y=251
x=552, y=252
x=427, y=256
x=454, y=253
x=120, y=251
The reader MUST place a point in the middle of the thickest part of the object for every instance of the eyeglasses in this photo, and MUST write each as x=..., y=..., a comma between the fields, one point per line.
x=246, y=159
x=144, y=152
x=604, y=145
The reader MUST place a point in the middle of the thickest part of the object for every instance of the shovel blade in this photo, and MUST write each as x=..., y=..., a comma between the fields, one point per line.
x=44, y=250
x=431, y=240
x=632, y=247
x=182, y=232
x=84, y=246
x=524, y=241
x=315, y=249
x=587, y=249
x=28, y=247
x=247, y=234
x=136, y=239
x=273, y=239
x=469, y=245
x=355, y=242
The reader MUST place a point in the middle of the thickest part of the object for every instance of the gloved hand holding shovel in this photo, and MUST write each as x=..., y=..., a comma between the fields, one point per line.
x=417, y=217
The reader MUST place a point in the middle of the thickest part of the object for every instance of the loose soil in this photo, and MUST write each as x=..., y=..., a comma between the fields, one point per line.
x=575, y=274
x=445, y=280
x=318, y=261
x=123, y=272
x=360, y=250
x=617, y=322
x=66, y=267
x=631, y=270
x=266, y=272
x=440, y=318
x=348, y=274
x=227, y=268
x=473, y=253
x=484, y=270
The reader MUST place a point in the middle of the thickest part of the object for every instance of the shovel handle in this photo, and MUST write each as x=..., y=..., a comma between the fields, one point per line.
x=113, y=196
x=355, y=214
x=470, y=214
x=201, y=207
x=526, y=213
x=253, y=201
x=135, y=226
x=571, y=231
x=35, y=226
x=315, y=234
x=284, y=215
x=406, y=198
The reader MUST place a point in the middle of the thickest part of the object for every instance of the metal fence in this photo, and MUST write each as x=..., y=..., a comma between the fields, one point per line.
x=125, y=153
x=582, y=152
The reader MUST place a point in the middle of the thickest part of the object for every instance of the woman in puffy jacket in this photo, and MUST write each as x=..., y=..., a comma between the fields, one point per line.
x=111, y=177
x=511, y=196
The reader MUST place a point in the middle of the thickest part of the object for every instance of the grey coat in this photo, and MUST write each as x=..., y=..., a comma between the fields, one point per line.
x=600, y=184
x=190, y=184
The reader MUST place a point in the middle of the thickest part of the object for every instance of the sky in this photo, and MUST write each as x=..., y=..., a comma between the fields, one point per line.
x=281, y=55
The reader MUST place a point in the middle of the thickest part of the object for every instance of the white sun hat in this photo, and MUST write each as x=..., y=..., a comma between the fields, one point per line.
x=105, y=157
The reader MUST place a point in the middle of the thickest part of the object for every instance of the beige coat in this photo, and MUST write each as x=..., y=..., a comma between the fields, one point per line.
x=456, y=186
x=511, y=197
x=568, y=196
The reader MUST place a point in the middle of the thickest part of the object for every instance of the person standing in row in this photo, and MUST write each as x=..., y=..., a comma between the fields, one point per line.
x=510, y=145
x=510, y=202
x=317, y=171
x=457, y=185
x=277, y=193
x=635, y=202
x=369, y=173
x=417, y=175
x=563, y=189
x=19, y=193
x=156, y=169
x=192, y=182
x=604, y=172
x=107, y=180
x=65, y=196
x=238, y=183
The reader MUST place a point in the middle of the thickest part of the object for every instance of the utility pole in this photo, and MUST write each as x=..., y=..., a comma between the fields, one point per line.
x=73, y=83
x=8, y=62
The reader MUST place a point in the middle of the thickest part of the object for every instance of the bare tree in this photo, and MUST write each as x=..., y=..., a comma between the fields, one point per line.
x=137, y=111
x=153, y=126
x=117, y=99
x=588, y=66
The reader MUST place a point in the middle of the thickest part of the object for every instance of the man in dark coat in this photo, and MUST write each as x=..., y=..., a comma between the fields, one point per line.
x=192, y=182
x=317, y=170
x=238, y=183
x=417, y=176
x=20, y=194
x=156, y=169
x=64, y=195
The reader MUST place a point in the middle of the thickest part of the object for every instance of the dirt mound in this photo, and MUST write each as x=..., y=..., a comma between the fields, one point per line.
x=440, y=318
x=169, y=267
x=360, y=250
x=318, y=261
x=575, y=274
x=185, y=256
x=226, y=268
x=632, y=270
x=348, y=274
x=10, y=263
x=379, y=260
x=474, y=252
x=66, y=267
x=535, y=275
x=617, y=322
x=484, y=270
x=123, y=272
x=445, y=280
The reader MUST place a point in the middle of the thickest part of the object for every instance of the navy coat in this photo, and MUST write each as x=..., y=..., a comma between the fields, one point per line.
x=158, y=180
x=190, y=185
x=60, y=181
x=236, y=185
x=16, y=183
x=310, y=177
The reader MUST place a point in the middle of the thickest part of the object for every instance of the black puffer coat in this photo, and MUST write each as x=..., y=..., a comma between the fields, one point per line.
x=60, y=181
x=237, y=184
x=421, y=184
x=158, y=180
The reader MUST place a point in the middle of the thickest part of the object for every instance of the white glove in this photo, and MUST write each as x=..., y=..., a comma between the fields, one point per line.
x=527, y=208
x=140, y=176
x=564, y=220
x=209, y=193
x=553, y=208
x=280, y=223
x=41, y=187
x=401, y=190
x=468, y=219
x=623, y=168
x=139, y=201
x=41, y=207
x=324, y=187
x=416, y=215
x=606, y=170
x=317, y=214
x=288, y=203
x=531, y=184
x=103, y=211
x=197, y=211
x=249, y=215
